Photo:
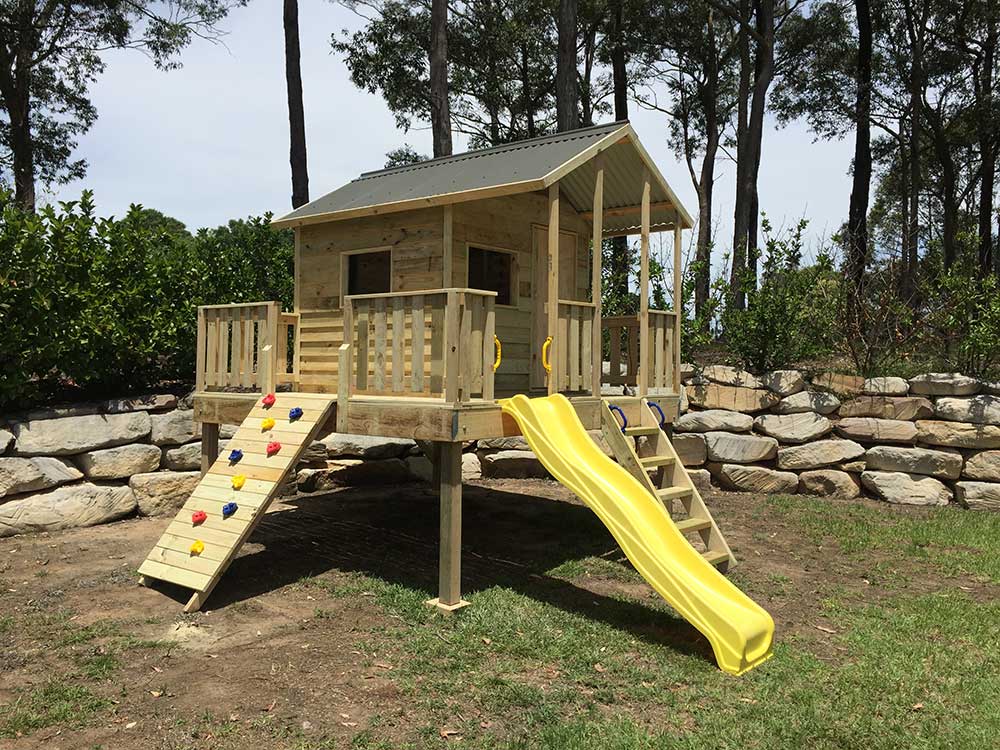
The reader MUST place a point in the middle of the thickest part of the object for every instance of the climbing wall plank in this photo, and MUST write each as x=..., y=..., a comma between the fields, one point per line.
x=173, y=559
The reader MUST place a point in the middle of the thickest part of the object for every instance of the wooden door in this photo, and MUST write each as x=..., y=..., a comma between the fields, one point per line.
x=540, y=290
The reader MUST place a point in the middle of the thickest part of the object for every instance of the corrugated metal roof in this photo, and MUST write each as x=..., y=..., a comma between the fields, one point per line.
x=507, y=169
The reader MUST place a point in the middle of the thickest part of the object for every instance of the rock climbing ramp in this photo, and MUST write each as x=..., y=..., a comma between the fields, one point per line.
x=226, y=506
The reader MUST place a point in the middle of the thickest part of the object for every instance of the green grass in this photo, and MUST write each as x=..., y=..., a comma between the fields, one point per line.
x=55, y=702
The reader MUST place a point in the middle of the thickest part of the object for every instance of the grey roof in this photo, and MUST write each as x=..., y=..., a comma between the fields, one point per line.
x=512, y=167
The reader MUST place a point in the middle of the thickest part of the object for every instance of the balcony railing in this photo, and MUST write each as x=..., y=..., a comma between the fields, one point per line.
x=625, y=351
x=246, y=347
x=437, y=343
x=575, y=350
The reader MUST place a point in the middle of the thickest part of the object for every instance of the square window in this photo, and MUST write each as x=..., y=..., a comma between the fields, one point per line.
x=492, y=270
x=369, y=273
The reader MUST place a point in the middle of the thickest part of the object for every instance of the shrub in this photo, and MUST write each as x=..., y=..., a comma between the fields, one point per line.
x=961, y=325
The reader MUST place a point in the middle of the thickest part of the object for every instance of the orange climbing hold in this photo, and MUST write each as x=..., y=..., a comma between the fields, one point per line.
x=238, y=481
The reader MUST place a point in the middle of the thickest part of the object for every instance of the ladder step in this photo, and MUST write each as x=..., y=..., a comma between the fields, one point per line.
x=674, y=493
x=693, y=524
x=641, y=430
x=715, y=557
x=650, y=462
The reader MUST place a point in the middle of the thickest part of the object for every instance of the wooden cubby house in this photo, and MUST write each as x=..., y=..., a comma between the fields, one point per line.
x=407, y=282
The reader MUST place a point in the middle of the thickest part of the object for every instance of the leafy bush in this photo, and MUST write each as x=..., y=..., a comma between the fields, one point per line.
x=961, y=325
x=95, y=304
x=791, y=315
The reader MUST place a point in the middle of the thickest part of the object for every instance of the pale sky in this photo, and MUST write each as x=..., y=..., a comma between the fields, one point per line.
x=209, y=142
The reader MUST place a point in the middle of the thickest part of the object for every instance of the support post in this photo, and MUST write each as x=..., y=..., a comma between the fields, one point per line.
x=552, y=300
x=449, y=598
x=678, y=304
x=645, y=355
x=448, y=249
x=209, y=445
x=595, y=274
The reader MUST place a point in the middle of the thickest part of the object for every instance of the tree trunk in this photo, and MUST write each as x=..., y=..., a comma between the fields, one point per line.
x=619, y=262
x=567, y=116
x=737, y=298
x=987, y=147
x=440, y=106
x=706, y=180
x=21, y=145
x=527, y=100
x=857, y=214
x=296, y=112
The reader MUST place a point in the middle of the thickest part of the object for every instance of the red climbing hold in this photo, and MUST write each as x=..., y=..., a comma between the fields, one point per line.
x=199, y=516
x=268, y=401
x=273, y=447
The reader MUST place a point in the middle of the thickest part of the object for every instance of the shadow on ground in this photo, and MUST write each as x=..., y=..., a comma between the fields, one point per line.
x=510, y=539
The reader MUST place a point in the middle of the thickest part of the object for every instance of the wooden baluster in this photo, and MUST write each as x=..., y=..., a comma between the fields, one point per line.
x=451, y=348
x=437, y=344
x=212, y=348
x=562, y=351
x=380, y=316
x=633, y=354
x=246, y=380
x=236, y=352
x=222, y=367
x=587, y=354
x=489, y=350
x=364, y=331
x=660, y=344
x=199, y=367
x=281, y=356
x=417, y=343
x=615, y=355
x=398, y=334
x=346, y=337
x=574, y=347
x=474, y=343
x=467, y=362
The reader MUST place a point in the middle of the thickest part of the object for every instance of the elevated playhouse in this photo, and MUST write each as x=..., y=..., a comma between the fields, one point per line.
x=455, y=299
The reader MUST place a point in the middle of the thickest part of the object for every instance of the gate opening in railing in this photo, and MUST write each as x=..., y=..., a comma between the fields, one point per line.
x=626, y=353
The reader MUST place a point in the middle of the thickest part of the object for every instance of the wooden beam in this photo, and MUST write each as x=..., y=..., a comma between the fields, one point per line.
x=449, y=596
x=209, y=445
x=448, y=247
x=595, y=273
x=678, y=305
x=645, y=356
x=552, y=300
x=628, y=210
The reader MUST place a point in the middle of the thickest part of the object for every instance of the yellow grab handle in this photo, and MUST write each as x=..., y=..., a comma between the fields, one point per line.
x=545, y=354
x=496, y=362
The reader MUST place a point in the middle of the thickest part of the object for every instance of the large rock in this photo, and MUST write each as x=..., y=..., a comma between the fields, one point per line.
x=119, y=462
x=19, y=475
x=422, y=468
x=727, y=448
x=150, y=402
x=512, y=443
x=67, y=410
x=983, y=465
x=958, y=434
x=66, y=507
x=819, y=453
x=984, y=409
x=734, y=398
x=944, y=384
x=905, y=489
x=754, y=478
x=355, y=472
x=888, y=407
x=731, y=376
x=174, y=428
x=690, y=447
x=66, y=436
x=783, y=382
x=978, y=495
x=793, y=428
x=845, y=386
x=991, y=387
x=853, y=467
x=339, y=445
x=941, y=464
x=163, y=491
x=511, y=465
x=713, y=420
x=187, y=457
x=874, y=430
x=803, y=401
x=6, y=441
x=701, y=479
x=828, y=483
x=885, y=387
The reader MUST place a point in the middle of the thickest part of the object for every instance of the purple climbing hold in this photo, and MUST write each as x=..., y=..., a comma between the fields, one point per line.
x=235, y=455
x=229, y=509
x=295, y=413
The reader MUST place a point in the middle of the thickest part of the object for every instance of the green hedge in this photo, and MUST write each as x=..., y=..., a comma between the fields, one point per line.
x=91, y=306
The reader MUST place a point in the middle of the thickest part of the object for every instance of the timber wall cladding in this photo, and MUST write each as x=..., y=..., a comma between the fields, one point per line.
x=415, y=240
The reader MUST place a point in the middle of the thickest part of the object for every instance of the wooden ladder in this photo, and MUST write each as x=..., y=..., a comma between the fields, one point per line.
x=650, y=457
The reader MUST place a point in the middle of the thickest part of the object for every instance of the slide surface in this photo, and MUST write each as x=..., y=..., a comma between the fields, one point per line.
x=739, y=630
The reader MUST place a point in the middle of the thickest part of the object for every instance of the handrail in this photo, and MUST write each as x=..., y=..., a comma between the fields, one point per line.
x=444, y=290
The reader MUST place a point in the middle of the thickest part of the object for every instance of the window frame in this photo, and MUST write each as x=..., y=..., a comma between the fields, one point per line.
x=515, y=269
x=345, y=268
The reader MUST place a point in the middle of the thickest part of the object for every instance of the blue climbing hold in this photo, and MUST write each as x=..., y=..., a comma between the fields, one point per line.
x=295, y=413
x=229, y=509
x=235, y=455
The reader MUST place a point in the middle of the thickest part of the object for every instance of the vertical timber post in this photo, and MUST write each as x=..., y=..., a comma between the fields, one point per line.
x=449, y=462
x=678, y=304
x=448, y=248
x=553, y=290
x=209, y=445
x=645, y=355
x=596, y=258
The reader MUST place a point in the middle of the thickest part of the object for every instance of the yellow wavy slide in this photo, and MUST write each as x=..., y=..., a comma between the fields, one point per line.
x=739, y=630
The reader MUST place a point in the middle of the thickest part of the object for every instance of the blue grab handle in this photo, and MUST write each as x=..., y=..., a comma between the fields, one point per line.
x=663, y=417
x=618, y=409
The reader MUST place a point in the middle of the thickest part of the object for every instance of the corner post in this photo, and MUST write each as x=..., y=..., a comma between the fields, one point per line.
x=552, y=316
x=596, y=258
x=678, y=304
x=209, y=445
x=449, y=462
x=448, y=248
x=645, y=355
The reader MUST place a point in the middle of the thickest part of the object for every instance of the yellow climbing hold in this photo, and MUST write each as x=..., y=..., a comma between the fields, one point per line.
x=197, y=547
x=238, y=481
x=267, y=423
